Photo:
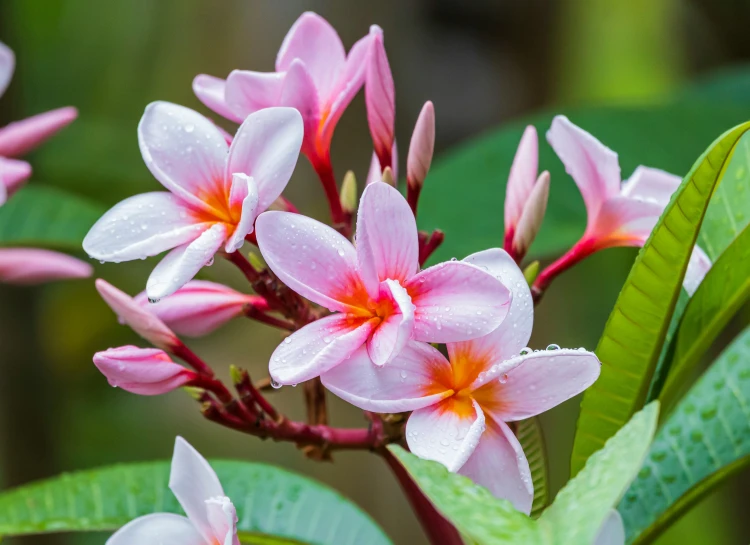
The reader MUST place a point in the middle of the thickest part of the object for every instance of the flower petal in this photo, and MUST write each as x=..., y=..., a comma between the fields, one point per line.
x=522, y=177
x=395, y=331
x=20, y=137
x=374, y=174
x=142, y=226
x=142, y=371
x=247, y=92
x=183, y=263
x=612, y=531
x=312, y=259
x=407, y=383
x=499, y=464
x=27, y=266
x=447, y=432
x=456, y=302
x=7, y=66
x=387, y=243
x=318, y=347
x=213, y=93
x=266, y=148
x=157, y=529
x=299, y=93
x=651, y=185
x=623, y=221
x=592, y=165
x=185, y=151
x=315, y=42
x=380, y=98
x=244, y=193
x=13, y=173
x=697, y=268
x=222, y=517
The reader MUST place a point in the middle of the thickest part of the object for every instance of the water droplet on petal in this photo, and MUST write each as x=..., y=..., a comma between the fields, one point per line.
x=275, y=384
x=553, y=347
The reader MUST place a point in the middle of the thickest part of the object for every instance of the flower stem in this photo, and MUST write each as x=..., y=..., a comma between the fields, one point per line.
x=323, y=167
x=428, y=244
x=581, y=250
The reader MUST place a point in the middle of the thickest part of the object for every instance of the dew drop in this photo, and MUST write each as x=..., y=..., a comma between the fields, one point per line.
x=525, y=351
x=553, y=347
x=189, y=127
x=275, y=384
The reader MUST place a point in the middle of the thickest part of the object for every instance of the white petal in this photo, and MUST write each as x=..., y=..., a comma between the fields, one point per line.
x=157, y=529
x=245, y=192
x=7, y=65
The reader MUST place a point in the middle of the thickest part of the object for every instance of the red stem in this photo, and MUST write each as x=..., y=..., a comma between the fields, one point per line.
x=412, y=196
x=428, y=244
x=192, y=359
x=255, y=314
x=581, y=250
x=324, y=169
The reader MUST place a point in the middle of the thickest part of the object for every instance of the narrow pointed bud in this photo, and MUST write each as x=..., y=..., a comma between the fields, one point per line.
x=531, y=272
x=380, y=99
x=388, y=177
x=30, y=266
x=236, y=374
x=421, y=148
x=349, y=193
x=20, y=137
x=531, y=217
x=13, y=173
x=195, y=392
x=143, y=371
x=256, y=261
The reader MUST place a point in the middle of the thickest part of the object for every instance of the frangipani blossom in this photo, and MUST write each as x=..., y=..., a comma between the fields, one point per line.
x=461, y=405
x=28, y=266
x=379, y=297
x=215, y=191
x=211, y=516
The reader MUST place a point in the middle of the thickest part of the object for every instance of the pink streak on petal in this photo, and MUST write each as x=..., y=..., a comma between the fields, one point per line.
x=456, y=302
x=211, y=91
x=395, y=331
x=380, y=99
x=20, y=137
x=623, y=221
x=244, y=195
x=612, y=531
x=698, y=267
x=27, y=266
x=407, y=383
x=247, y=92
x=522, y=176
x=222, y=517
x=13, y=173
x=651, y=184
x=318, y=347
x=7, y=66
x=421, y=147
x=171, y=530
x=499, y=464
x=142, y=371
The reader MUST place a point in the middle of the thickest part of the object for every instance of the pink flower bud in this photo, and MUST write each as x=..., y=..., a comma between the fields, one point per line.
x=380, y=99
x=531, y=216
x=421, y=147
x=22, y=136
x=13, y=173
x=32, y=266
x=143, y=371
x=523, y=173
x=143, y=322
x=200, y=307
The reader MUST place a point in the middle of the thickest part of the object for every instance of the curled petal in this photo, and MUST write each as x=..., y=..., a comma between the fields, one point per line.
x=13, y=173
x=299, y=93
x=157, y=529
x=212, y=92
x=651, y=185
x=622, y=221
x=522, y=177
x=244, y=193
x=532, y=216
x=421, y=147
x=394, y=331
x=222, y=516
x=409, y=382
x=20, y=137
x=247, y=92
x=612, y=531
x=28, y=266
x=7, y=66
x=697, y=268
x=380, y=99
x=142, y=371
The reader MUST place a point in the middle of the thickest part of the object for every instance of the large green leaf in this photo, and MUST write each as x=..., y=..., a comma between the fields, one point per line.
x=270, y=502
x=529, y=433
x=47, y=217
x=705, y=440
x=636, y=329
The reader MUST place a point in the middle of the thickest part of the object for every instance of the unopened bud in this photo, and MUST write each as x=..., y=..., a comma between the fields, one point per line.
x=349, y=193
x=380, y=98
x=388, y=177
x=236, y=374
x=531, y=272
x=421, y=148
x=195, y=392
x=532, y=216
x=256, y=261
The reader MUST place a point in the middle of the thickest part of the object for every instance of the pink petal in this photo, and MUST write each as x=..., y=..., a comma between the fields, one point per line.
x=318, y=347
x=28, y=266
x=499, y=464
x=312, y=259
x=624, y=221
x=387, y=244
x=421, y=147
x=142, y=226
x=529, y=385
x=20, y=137
x=395, y=331
x=374, y=174
x=532, y=216
x=213, y=93
x=183, y=263
x=380, y=99
x=407, y=383
x=247, y=92
x=13, y=173
x=456, y=302
x=315, y=42
x=266, y=148
x=7, y=66
x=222, y=517
x=593, y=166
x=651, y=185
x=184, y=151
x=193, y=482
x=157, y=529
x=698, y=267
x=200, y=307
x=612, y=531
x=244, y=193
x=522, y=177
x=447, y=432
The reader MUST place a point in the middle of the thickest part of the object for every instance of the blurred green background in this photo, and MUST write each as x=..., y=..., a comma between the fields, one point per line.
x=482, y=62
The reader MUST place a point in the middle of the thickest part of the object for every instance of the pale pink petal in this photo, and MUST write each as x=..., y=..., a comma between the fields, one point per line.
x=13, y=173
x=247, y=92
x=407, y=383
x=183, y=263
x=623, y=221
x=222, y=516
x=315, y=42
x=311, y=258
x=651, y=185
x=244, y=193
x=532, y=216
x=142, y=226
x=318, y=347
x=142, y=371
x=421, y=147
x=593, y=166
x=212, y=92
x=531, y=384
x=299, y=93
x=266, y=148
x=612, y=531
x=697, y=268
x=522, y=177
x=456, y=302
x=374, y=174
x=20, y=137
x=499, y=464
x=200, y=307
x=387, y=244
x=28, y=266
x=193, y=481
x=7, y=66
x=380, y=99
x=447, y=432
x=184, y=151
x=395, y=331
x=157, y=529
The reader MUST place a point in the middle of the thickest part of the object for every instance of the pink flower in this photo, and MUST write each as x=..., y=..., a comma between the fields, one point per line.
x=32, y=266
x=211, y=516
x=142, y=371
x=461, y=405
x=215, y=191
x=200, y=307
x=380, y=298
x=380, y=100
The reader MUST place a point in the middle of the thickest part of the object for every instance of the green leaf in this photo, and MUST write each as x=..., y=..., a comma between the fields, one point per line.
x=270, y=502
x=634, y=335
x=47, y=217
x=704, y=442
x=529, y=433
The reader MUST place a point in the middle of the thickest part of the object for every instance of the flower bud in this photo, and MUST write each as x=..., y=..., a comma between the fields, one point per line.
x=13, y=173
x=421, y=147
x=380, y=99
x=523, y=174
x=20, y=137
x=28, y=266
x=531, y=216
x=388, y=177
x=143, y=371
x=349, y=193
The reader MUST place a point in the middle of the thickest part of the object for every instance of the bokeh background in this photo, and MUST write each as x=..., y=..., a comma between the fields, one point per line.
x=482, y=62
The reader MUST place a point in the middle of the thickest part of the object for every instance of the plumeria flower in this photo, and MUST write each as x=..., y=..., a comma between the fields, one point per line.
x=211, y=516
x=619, y=214
x=461, y=404
x=380, y=298
x=215, y=191
x=28, y=266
